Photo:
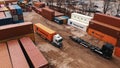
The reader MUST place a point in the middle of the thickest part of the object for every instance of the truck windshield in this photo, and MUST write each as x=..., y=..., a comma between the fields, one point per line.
x=60, y=40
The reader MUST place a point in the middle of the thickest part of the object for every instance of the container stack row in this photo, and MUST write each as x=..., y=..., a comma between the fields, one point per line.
x=17, y=49
x=11, y=15
x=106, y=28
x=50, y=14
x=16, y=13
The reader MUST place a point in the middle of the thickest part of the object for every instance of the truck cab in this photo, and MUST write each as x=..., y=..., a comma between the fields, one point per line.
x=57, y=40
x=107, y=50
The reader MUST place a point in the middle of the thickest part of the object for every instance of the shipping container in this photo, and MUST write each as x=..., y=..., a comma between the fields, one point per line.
x=44, y=31
x=17, y=57
x=34, y=56
x=61, y=19
x=77, y=24
x=12, y=9
x=2, y=18
x=8, y=19
x=18, y=9
x=81, y=18
x=15, y=30
x=37, y=10
x=110, y=20
x=2, y=15
x=48, y=13
x=2, y=9
x=117, y=51
x=103, y=36
x=4, y=56
x=58, y=14
x=39, y=4
x=104, y=28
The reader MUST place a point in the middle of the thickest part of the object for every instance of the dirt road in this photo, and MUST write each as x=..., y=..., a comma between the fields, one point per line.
x=72, y=55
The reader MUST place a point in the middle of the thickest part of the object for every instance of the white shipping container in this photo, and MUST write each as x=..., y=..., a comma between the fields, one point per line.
x=77, y=24
x=81, y=18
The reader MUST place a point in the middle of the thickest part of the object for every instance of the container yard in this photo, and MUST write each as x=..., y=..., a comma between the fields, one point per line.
x=43, y=34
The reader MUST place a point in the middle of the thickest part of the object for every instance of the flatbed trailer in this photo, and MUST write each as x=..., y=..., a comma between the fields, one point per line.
x=106, y=50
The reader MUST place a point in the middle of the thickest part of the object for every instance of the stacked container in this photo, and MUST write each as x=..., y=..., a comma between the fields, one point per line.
x=16, y=30
x=79, y=21
x=2, y=18
x=106, y=28
x=17, y=13
x=9, y=19
x=2, y=9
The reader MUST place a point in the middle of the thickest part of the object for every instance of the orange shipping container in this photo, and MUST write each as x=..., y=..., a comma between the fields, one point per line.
x=117, y=51
x=102, y=36
x=44, y=31
x=17, y=56
x=4, y=57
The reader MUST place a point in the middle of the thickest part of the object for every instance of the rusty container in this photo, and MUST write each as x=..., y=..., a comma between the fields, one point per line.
x=104, y=28
x=17, y=57
x=110, y=20
x=58, y=14
x=15, y=30
x=4, y=57
x=48, y=13
x=34, y=56
x=104, y=32
x=39, y=4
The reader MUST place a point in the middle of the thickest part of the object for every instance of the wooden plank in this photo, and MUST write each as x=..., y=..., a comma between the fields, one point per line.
x=17, y=57
x=4, y=57
x=35, y=56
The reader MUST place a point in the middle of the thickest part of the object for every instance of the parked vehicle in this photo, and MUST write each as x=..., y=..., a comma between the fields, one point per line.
x=48, y=34
x=106, y=50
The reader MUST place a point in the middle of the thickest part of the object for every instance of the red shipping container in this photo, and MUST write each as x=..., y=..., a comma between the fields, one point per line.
x=58, y=14
x=110, y=20
x=17, y=57
x=48, y=13
x=35, y=56
x=105, y=28
x=39, y=4
x=15, y=30
x=4, y=57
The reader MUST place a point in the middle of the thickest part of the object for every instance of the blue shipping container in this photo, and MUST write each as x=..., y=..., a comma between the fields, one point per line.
x=18, y=9
x=61, y=19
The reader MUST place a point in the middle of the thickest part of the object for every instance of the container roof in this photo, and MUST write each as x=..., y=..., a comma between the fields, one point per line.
x=50, y=31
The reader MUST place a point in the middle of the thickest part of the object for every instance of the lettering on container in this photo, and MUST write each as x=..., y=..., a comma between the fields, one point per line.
x=101, y=36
